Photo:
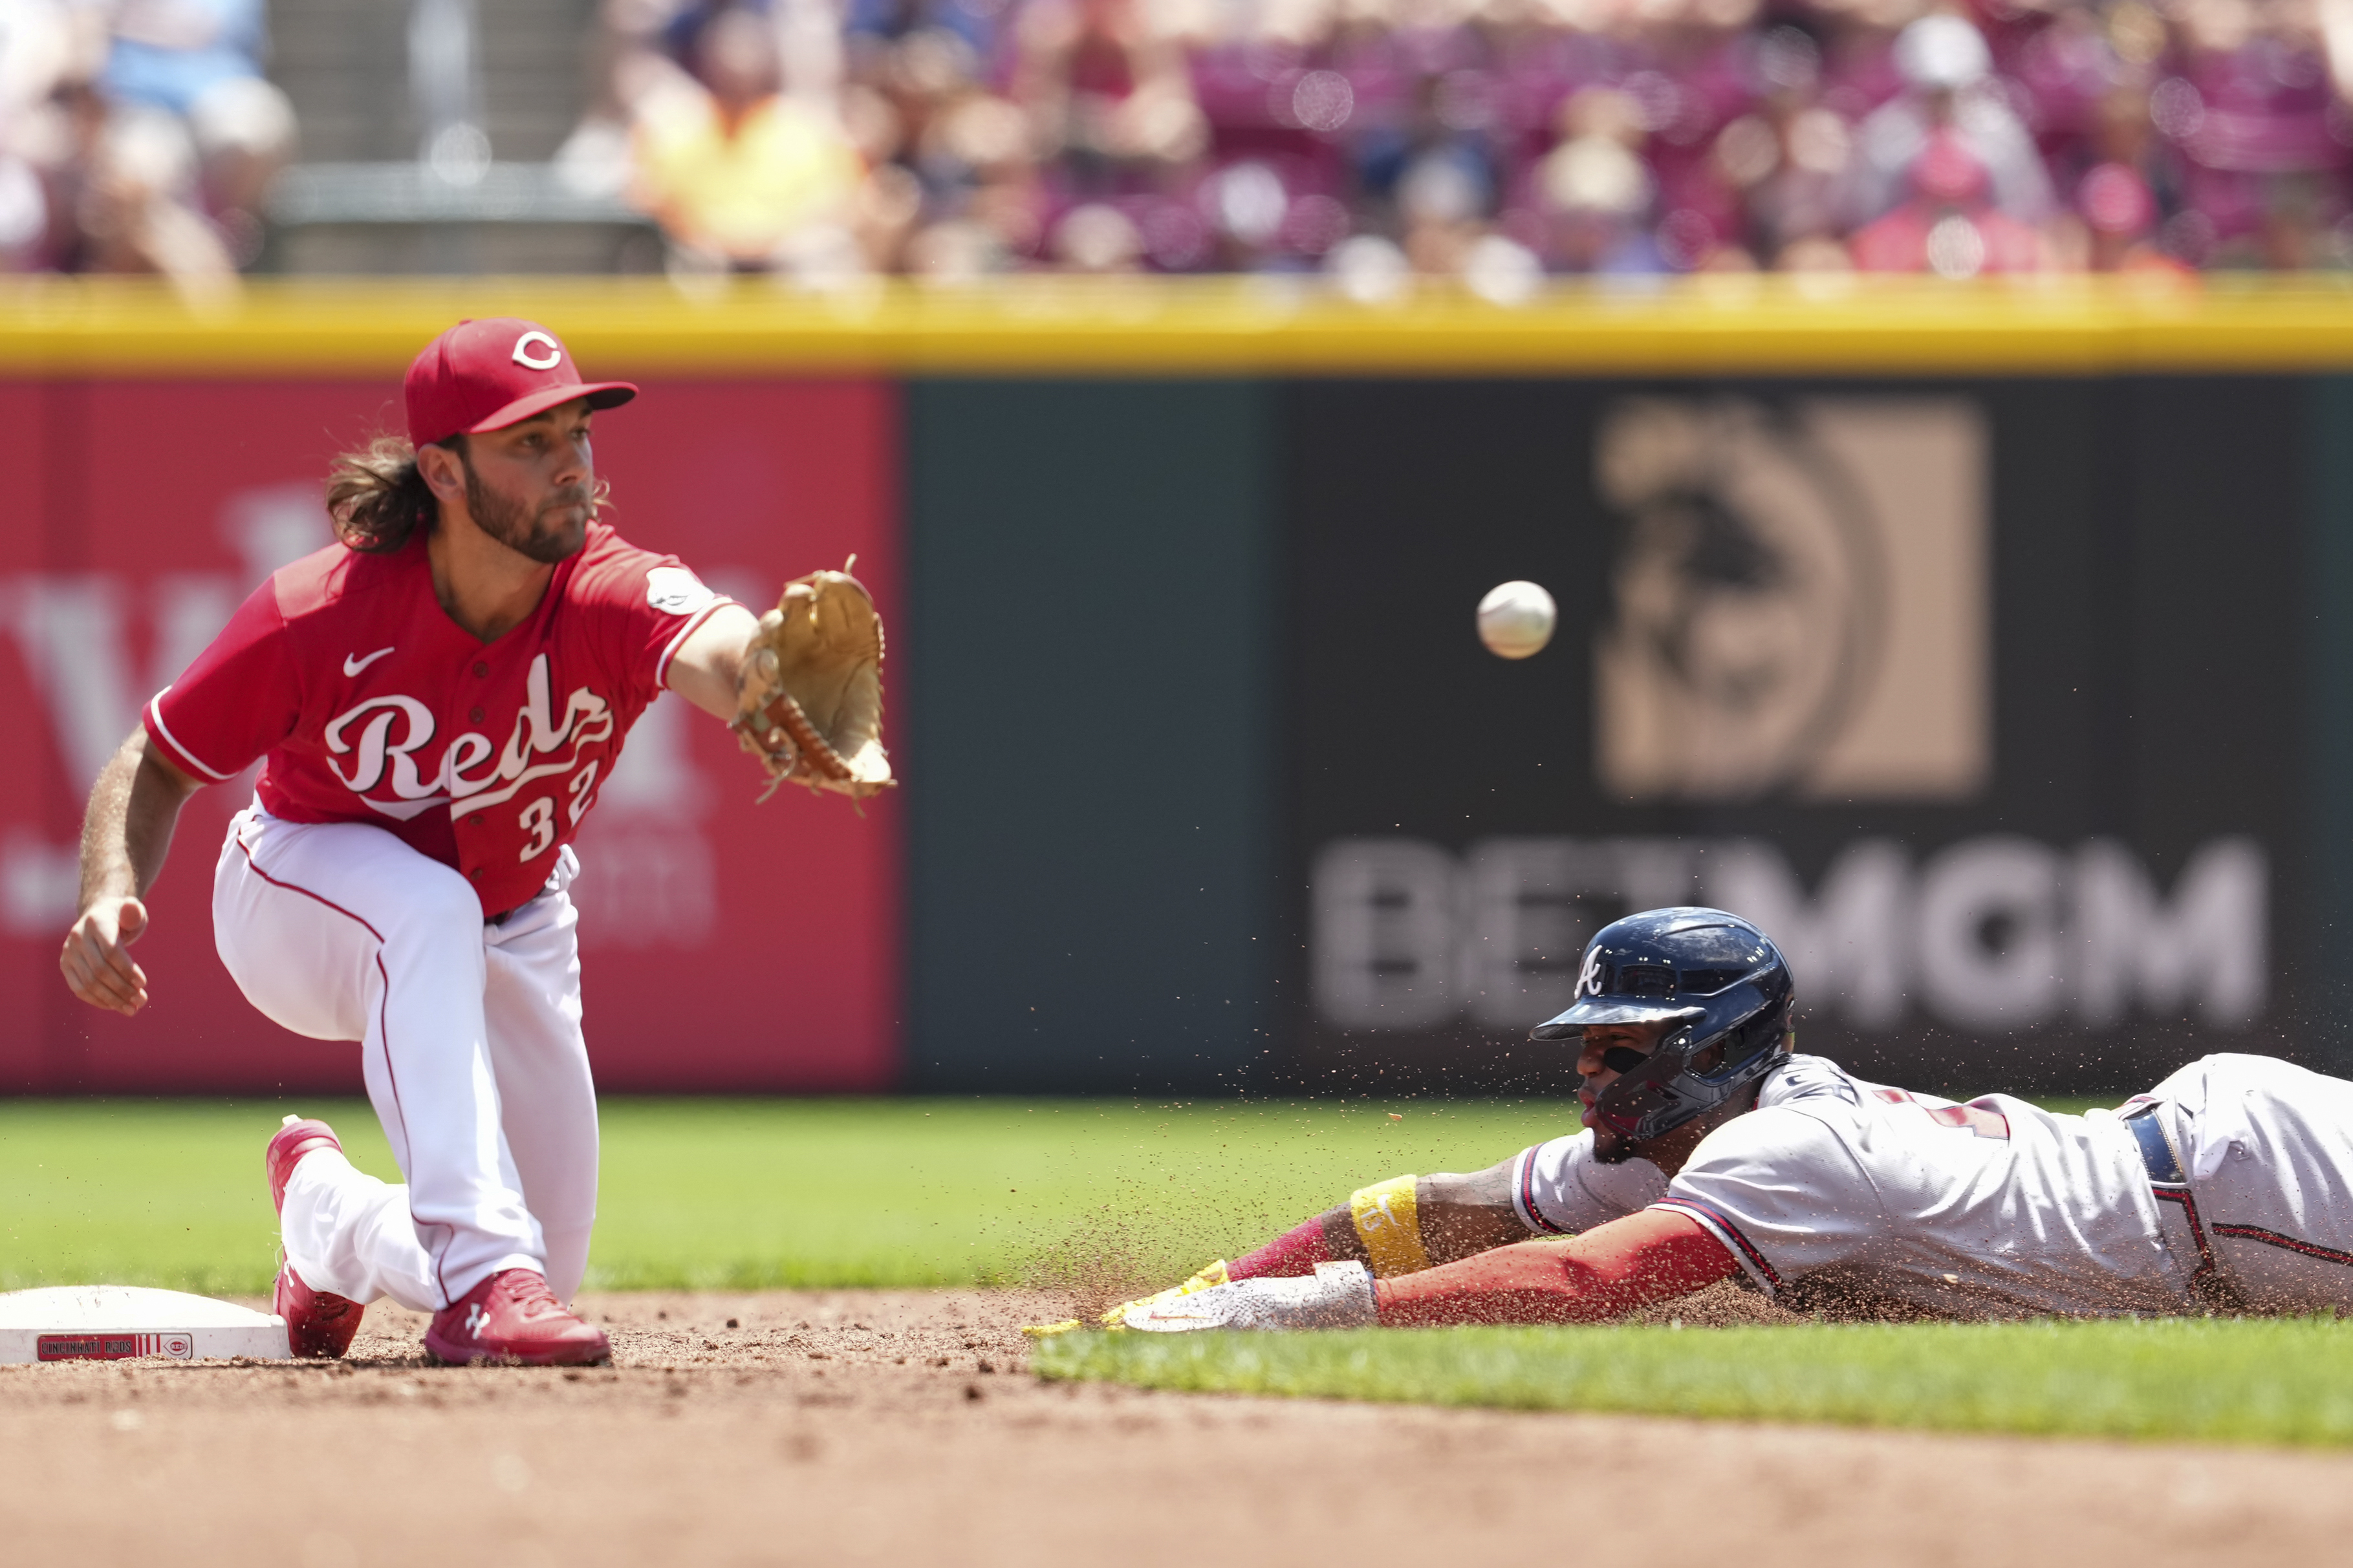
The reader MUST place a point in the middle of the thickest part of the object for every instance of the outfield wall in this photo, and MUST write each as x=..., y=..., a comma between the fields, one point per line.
x=1994, y=648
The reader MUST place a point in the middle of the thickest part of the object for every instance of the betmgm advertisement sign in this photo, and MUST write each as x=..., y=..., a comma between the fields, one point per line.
x=1997, y=933
x=1856, y=663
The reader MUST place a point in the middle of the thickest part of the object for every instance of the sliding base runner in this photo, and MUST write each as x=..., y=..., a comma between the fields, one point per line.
x=1712, y=1151
x=123, y=1323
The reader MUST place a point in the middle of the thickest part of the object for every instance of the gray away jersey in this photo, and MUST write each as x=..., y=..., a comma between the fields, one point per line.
x=1846, y=1196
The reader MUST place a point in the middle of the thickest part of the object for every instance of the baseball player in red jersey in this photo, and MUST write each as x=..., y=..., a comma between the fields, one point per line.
x=1712, y=1151
x=435, y=699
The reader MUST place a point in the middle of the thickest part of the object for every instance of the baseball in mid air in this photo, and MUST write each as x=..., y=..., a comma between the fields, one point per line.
x=1515, y=619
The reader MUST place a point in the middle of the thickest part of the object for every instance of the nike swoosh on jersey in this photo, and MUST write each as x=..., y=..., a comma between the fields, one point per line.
x=353, y=663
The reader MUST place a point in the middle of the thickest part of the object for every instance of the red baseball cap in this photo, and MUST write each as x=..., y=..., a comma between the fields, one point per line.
x=489, y=374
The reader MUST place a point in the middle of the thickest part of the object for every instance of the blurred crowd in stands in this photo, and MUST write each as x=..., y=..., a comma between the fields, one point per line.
x=1496, y=140
x=137, y=136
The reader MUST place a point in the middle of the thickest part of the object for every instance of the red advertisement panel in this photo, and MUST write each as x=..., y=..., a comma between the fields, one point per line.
x=140, y=514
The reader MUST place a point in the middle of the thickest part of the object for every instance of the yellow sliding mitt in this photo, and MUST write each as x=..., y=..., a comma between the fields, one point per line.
x=1115, y=1319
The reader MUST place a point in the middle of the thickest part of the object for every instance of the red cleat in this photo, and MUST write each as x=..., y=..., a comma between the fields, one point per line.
x=513, y=1316
x=296, y=1137
x=319, y=1325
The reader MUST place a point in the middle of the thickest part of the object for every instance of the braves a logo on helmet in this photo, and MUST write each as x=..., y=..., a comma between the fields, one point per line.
x=1588, y=979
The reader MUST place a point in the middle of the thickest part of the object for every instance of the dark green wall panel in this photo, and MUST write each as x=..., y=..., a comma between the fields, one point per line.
x=1089, y=746
x=2329, y=661
x=2145, y=694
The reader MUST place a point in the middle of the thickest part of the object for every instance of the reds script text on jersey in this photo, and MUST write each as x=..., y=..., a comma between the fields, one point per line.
x=1837, y=1193
x=370, y=704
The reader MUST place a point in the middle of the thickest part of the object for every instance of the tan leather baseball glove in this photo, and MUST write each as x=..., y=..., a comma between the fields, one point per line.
x=810, y=702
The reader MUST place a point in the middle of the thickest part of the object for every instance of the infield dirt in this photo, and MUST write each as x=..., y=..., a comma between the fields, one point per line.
x=903, y=1427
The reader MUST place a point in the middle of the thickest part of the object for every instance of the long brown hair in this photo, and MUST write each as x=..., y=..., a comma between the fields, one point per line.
x=377, y=499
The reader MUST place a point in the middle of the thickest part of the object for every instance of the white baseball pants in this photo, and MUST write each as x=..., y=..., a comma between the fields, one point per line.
x=2268, y=1149
x=471, y=1045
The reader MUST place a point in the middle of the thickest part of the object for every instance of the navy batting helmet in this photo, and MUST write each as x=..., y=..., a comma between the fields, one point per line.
x=1716, y=977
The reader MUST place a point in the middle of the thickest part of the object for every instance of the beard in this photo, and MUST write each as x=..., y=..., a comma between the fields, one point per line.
x=548, y=535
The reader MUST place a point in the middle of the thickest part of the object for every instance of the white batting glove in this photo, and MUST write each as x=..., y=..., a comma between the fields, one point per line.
x=1337, y=1295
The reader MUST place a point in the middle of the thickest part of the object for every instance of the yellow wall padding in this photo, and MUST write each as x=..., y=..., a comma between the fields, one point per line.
x=1055, y=326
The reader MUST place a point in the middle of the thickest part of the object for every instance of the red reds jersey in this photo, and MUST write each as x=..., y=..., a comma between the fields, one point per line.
x=370, y=704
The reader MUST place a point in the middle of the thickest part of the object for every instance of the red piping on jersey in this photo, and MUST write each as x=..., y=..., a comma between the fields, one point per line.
x=1535, y=1221
x=2273, y=1238
x=1709, y=1212
x=1648, y=1256
x=382, y=1026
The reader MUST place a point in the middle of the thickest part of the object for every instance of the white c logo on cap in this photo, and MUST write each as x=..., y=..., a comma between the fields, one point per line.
x=528, y=360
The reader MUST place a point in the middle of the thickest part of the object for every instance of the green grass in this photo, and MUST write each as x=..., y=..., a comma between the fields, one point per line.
x=762, y=1193
x=2286, y=1381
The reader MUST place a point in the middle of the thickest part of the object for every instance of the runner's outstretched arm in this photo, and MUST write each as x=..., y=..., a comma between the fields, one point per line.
x=1397, y=1225
x=125, y=834
x=1656, y=1255
x=1653, y=1255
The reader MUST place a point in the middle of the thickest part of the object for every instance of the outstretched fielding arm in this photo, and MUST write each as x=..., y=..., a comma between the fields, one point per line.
x=1654, y=1256
x=125, y=834
x=705, y=671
